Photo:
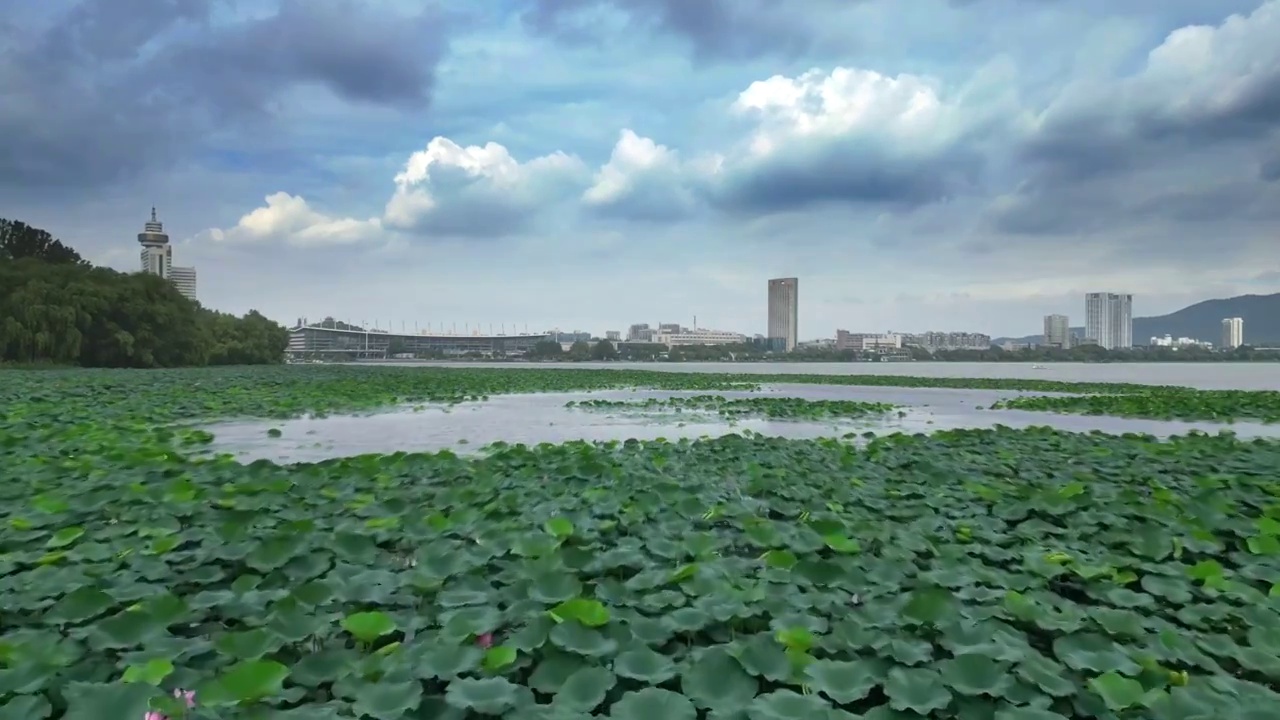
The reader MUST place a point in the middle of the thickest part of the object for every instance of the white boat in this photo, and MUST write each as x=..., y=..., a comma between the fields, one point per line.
x=1038, y=367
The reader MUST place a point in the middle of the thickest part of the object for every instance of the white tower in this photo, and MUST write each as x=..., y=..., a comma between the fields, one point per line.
x=157, y=256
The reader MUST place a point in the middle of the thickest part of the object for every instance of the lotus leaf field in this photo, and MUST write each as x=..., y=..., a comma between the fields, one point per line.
x=1163, y=404
x=776, y=408
x=965, y=575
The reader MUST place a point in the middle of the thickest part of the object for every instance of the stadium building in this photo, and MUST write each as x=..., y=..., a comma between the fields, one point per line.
x=317, y=340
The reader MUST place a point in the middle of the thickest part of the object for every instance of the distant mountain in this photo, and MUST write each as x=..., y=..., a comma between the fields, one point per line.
x=1203, y=321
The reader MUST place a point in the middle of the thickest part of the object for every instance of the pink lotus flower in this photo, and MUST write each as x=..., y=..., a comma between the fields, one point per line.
x=188, y=695
x=485, y=640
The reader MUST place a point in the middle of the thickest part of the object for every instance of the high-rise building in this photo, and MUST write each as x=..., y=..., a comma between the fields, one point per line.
x=784, y=312
x=1232, y=333
x=1109, y=320
x=157, y=258
x=184, y=279
x=1057, y=331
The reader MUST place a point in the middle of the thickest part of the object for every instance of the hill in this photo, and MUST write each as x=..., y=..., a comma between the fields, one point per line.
x=1203, y=321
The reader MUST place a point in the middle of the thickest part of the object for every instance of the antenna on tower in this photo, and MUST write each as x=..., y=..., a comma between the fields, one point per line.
x=153, y=213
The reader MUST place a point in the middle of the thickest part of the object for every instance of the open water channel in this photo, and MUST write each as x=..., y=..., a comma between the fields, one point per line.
x=538, y=418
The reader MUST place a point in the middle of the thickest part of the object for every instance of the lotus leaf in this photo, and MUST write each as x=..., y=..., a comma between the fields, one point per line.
x=969, y=574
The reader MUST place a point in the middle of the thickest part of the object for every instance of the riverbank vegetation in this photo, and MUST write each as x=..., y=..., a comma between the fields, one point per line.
x=1011, y=575
x=57, y=309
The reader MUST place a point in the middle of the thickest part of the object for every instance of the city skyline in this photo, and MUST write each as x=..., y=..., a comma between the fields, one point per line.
x=929, y=165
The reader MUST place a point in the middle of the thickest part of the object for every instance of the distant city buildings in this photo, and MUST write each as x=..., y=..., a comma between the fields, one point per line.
x=157, y=258
x=1109, y=320
x=784, y=313
x=1232, y=333
x=613, y=335
x=1057, y=331
x=640, y=333
x=1183, y=342
x=937, y=340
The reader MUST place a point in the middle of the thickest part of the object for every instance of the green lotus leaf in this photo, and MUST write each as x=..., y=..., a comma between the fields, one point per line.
x=651, y=703
x=65, y=537
x=582, y=640
x=554, y=587
x=153, y=672
x=917, y=689
x=643, y=664
x=81, y=604
x=387, y=700
x=127, y=629
x=975, y=675
x=368, y=626
x=585, y=689
x=95, y=701
x=1046, y=674
x=559, y=528
x=554, y=669
x=929, y=605
x=1028, y=713
x=845, y=682
x=496, y=658
x=787, y=705
x=324, y=666
x=487, y=696
x=590, y=613
x=1093, y=652
x=247, y=645
x=1117, y=691
x=717, y=681
x=246, y=682
x=25, y=707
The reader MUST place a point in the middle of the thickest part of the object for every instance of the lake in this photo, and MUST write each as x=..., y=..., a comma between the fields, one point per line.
x=1206, y=376
x=539, y=418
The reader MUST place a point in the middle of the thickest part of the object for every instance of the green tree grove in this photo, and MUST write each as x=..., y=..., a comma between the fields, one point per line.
x=55, y=308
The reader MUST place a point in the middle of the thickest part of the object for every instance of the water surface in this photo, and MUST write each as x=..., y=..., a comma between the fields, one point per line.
x=539, y=418
x=1206, y=376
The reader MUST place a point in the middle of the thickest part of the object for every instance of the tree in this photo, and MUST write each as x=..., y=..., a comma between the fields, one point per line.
x=58, y=309
x=580, y=350
x=545, y=350
x=19, y=240
x=604, y=350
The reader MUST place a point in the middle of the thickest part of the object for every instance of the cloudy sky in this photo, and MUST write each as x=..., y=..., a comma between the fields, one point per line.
x=933, y=164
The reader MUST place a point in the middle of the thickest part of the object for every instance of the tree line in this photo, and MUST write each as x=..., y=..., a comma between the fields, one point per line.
x=58, y=309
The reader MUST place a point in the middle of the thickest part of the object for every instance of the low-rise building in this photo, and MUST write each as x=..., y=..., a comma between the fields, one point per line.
x=938, y=340
x=867, y=342
x=700, y=336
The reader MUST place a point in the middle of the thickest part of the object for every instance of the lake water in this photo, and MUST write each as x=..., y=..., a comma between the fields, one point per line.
x=533, y=419
x=1206, y=376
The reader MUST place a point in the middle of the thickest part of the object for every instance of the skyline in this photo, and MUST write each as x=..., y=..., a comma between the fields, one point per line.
x=916, y=167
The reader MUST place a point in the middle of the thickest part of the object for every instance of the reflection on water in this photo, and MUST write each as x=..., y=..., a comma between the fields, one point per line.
x=533, y=419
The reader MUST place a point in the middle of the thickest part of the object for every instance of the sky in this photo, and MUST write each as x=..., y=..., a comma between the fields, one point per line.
x=964, y=165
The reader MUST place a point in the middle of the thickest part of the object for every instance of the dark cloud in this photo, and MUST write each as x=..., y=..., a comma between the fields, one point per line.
x=716, y=29
x=115, y=87
x=1209, y=95
x=851, y=173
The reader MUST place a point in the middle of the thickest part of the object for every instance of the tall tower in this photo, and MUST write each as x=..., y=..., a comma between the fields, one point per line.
x=157, y=256
x=784, y=312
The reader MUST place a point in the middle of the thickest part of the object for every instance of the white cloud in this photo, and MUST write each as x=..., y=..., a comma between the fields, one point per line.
x=290, y=219
x=444, y=190
x=642, y=180
x=450, y=189
x=843, y=103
